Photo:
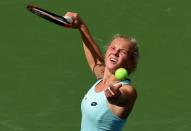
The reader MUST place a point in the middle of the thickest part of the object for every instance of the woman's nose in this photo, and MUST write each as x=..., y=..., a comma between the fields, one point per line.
x=116, y=52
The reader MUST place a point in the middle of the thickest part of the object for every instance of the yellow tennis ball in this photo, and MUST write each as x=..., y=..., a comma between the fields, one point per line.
x=121, y=74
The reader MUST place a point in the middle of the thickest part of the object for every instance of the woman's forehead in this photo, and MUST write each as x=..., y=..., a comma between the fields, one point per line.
x=120, y=42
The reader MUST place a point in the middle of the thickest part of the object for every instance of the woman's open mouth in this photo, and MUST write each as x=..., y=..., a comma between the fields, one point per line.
x=113, y=60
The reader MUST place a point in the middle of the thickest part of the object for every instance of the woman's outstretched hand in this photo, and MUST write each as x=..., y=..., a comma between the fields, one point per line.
x=113, y=93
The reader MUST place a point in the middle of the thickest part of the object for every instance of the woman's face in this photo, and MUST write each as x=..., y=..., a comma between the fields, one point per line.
x=117, y=54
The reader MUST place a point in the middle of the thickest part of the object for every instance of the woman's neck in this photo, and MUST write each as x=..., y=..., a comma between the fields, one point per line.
x=109, y=78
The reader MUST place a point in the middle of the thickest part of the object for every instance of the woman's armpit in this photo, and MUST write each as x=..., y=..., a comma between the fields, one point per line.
x=98, y=70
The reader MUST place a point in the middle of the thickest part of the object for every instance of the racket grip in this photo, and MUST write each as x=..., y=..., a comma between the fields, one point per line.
x=69, y=19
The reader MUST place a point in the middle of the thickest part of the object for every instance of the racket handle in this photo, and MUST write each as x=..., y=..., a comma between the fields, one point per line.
x=69, y=19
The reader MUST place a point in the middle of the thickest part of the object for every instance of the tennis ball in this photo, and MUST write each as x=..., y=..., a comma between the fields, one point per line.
x=121, y=74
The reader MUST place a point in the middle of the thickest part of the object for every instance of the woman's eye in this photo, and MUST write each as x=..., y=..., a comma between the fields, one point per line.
x=112, y=48
x=124, y=52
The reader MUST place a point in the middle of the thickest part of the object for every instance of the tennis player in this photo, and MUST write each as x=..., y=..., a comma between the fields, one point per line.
x=108, y=103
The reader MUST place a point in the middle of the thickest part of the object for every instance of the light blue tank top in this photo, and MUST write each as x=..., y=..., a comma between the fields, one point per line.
x=96, y=116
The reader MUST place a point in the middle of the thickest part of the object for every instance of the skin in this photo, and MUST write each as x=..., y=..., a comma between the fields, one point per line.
x=120, y=98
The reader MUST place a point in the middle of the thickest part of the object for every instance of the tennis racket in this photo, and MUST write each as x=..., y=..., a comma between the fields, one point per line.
x=51, y=17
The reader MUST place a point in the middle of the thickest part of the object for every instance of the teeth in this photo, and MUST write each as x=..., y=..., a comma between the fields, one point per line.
x=113, y=60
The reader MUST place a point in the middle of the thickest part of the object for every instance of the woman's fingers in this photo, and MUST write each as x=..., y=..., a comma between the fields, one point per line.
x=113, y=90
x=76, y=20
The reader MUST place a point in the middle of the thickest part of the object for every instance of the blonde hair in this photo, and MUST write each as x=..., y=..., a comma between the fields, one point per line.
x=133, y=52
